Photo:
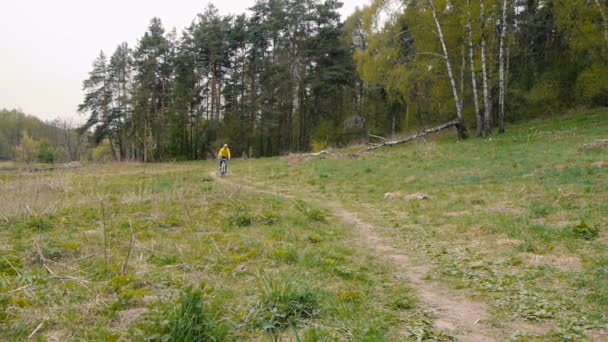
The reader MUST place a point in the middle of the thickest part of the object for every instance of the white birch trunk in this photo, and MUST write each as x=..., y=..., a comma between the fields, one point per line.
x=484, y=70
x=463, y=66
x=462, y=133
x=478, y=115
x=501, y=72
x=604, y=19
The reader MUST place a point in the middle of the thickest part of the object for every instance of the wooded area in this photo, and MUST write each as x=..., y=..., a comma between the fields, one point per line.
x=28, y=139
x=290, y=76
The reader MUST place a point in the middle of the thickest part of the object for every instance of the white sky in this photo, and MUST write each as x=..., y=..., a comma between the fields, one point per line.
x=47, y=46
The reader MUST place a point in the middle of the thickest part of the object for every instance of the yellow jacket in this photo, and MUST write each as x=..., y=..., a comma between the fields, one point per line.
x=224, y=153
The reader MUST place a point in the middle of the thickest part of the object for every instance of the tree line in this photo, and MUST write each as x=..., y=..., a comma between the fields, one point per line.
x=290, y=76
x=28, y=139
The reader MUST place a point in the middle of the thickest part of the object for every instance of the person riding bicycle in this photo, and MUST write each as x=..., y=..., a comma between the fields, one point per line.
x=224, y=154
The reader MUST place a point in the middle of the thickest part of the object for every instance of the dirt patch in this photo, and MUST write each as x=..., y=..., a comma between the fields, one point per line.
x=504, y=208
x=600, y=164
x=458, y=213
x=563, y=263
x=297, y=158
x=304, y=157
x=538, y=328
x=507, y=242
x=152, y=216
x=127, y=318
x=595, y=145
x=56, y=336
x=600, y=335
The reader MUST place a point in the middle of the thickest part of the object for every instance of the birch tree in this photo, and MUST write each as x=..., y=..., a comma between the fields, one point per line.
x=484, y=69
x=478, y=116
x=604, y=19
x=501, y=76
x=462, y=131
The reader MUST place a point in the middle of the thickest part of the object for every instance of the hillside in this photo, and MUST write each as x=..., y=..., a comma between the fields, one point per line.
x=510, y=243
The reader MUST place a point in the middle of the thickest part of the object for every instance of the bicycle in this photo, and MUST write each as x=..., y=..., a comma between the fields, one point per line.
x=223, y=167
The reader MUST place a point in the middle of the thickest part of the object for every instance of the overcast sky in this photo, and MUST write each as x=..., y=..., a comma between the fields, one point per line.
x=47, y=46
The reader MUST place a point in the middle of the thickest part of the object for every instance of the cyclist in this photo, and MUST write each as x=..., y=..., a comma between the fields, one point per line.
x=224, y=155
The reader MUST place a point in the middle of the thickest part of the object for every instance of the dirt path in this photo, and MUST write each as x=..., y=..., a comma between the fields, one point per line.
x=454, y=314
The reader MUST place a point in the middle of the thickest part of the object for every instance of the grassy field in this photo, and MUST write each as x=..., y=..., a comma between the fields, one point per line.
x=207, y=261
x=167, y=252
x=519, y=221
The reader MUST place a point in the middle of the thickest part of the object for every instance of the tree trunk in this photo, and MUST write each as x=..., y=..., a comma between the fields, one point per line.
x=463, y=66
x=462, y=131
x=478, y=116
x=484, y=70
x=604, y=19
x=501, y=73
x=416, y=136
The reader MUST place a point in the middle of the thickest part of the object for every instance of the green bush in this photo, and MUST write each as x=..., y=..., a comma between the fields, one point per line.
x=544, y=96
x=592, y=86
x=103, y=153
x=46, y=153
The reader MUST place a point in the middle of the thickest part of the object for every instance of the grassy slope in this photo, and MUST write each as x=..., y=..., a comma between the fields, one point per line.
x=501, y=225
x=246, y=266
x=511, y=219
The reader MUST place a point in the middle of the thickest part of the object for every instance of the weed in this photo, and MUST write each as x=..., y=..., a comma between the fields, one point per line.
x=281, y=304
x=40, y=223
x=163, y=259
x=193, y=321
x=314, y=238
x=240, y=220
x=584, y=231
x=349, y=296
x=541, y=209
x=312, y=214
x=288, y=255
x=403, y=302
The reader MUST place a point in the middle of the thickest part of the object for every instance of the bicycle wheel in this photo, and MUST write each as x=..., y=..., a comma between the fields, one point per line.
x=223, y=168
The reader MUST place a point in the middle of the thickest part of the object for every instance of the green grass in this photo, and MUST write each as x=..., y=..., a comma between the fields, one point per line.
x=518, y=220
x=208, y=262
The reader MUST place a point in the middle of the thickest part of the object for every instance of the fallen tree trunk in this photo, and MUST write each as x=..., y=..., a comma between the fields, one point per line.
x=416, y=136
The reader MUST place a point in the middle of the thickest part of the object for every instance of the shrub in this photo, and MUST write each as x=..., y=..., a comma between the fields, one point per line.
x=319, y=145
x=103, y=153
x=592, y=86
x=46, y=152
x=545, y=96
